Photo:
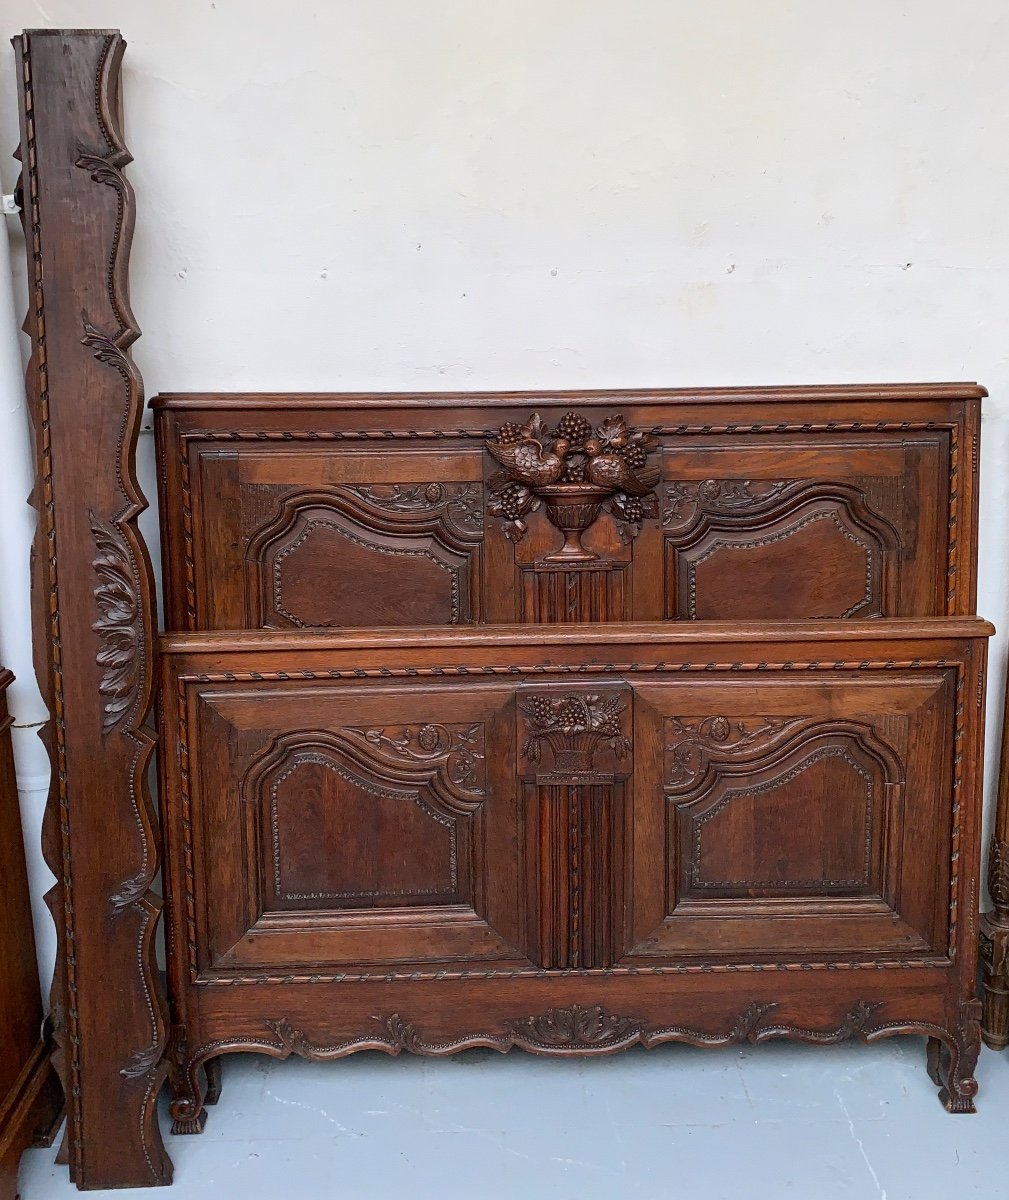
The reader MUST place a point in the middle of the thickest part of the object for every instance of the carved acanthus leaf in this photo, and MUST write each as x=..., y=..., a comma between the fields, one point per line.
x=142, y=1061
x=119, y=626
x=576, y=1028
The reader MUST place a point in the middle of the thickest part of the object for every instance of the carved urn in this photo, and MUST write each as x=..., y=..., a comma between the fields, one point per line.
x=572, y=508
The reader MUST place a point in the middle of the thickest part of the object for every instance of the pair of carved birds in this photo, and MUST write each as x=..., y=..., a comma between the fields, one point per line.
x=528, y=461
x=538, y=459
x=614, y=472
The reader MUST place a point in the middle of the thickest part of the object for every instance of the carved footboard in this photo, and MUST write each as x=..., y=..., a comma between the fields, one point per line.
x=572, y=842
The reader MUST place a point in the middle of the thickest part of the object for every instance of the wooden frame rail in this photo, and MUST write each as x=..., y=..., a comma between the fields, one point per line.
x=93, y=605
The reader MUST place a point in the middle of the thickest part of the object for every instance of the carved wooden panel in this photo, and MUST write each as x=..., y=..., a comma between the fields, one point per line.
x=774, y=805
x=305, y=567
x=574, y=757
x=562, y=508
x=723, y=832
x=783, y=548
x=327, y=805
x=93, y=605
x=793, y=808
x=359, y=829
x=580, y=593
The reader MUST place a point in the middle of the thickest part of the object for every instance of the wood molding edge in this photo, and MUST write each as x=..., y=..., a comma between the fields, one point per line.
x=93, y=605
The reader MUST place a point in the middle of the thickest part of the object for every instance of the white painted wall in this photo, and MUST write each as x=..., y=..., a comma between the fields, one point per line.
x=564, y=193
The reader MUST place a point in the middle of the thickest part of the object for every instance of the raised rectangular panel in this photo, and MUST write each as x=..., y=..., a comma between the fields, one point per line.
x=285, y=535
x=328, y=813
x=357, y=558
x=786, y=548
x=361, y=829
x=804, y=819
x=798, y=814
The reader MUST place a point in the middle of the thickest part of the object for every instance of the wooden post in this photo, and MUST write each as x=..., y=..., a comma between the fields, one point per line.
x=93, y=605
x=995, y=924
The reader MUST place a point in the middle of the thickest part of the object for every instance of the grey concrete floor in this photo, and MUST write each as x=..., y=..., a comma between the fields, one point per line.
x=759, y=1123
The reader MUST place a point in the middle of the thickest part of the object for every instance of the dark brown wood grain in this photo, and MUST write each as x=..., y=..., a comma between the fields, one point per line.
x=995, y=922
x=586, y=808
x=309, y=511
x=93, y=605
x=30, y=1095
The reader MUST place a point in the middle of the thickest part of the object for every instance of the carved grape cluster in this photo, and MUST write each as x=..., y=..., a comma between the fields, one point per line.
x=608, y=456
x=588, y=716
x=511, y=502
x=575, y=428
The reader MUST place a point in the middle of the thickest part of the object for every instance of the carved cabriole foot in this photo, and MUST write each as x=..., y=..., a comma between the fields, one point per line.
x=212, y=1070
x=192, y=1124
x=951, y=1064
x=188, y=1097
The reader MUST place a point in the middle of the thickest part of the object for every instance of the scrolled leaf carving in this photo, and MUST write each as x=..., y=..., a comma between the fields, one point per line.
x=691, y=741
x=459, y=747
x=576, y=1028
x=460, y=502
x=119, y=626
x=685, y=499
x=586, y=1030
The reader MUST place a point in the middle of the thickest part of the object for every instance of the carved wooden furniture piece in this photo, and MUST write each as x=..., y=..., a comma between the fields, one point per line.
x=995, y=922
x=93, y=605
x=291, y=512
x=30, y=1096
x=687, y=832
x=457, y=829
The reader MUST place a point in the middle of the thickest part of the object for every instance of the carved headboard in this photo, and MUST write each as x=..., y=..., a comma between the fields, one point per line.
x=300, y=511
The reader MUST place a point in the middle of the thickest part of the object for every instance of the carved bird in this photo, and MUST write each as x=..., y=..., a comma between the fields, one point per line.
x=615, y=472
x=526, y=460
